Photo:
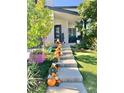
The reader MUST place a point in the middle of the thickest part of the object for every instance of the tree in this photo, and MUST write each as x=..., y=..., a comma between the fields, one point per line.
x=39, y=22
x=88, y=14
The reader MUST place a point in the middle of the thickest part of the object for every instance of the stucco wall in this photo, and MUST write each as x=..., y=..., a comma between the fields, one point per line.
x=64, y=27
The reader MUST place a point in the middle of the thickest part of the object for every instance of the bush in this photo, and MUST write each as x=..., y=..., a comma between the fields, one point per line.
x=32, y=75
x=38, y=51
x=37, y=74
x=39, y=22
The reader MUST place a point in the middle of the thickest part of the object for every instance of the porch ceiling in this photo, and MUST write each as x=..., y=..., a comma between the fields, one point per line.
x=66, y=16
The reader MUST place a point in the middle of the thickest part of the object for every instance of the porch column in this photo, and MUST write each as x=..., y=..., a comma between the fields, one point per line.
x=77, y=33
x=66, y=32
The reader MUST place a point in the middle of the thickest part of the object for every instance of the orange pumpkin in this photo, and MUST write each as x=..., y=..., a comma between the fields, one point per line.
x=53, y=75
x=57, y=56
x=59, y=46
x=51, y=82
x=57, y=53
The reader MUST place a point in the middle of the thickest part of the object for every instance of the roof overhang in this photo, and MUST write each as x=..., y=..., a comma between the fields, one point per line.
x=64, y=6
x=66, y=16
x=64, y=10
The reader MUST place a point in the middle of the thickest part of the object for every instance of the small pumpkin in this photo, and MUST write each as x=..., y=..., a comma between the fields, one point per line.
x=53, y=75
x=58, y=52
x=51, y=82
x=59, y=46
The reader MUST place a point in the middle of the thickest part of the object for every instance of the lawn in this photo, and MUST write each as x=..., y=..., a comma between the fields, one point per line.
x=87, y=64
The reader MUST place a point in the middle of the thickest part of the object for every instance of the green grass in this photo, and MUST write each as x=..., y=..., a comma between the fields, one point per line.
x=87, y=63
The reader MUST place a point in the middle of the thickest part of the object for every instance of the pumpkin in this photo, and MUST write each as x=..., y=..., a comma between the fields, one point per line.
x=51, y=82
x=57, y=53
x=53, y=75
x=59, y=46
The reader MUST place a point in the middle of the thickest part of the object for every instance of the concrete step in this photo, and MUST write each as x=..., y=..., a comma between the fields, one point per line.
x=68, y=88
x=65, y=57
x=66, y=48
x=66, y=51
x=68, y=63
x=70, y=74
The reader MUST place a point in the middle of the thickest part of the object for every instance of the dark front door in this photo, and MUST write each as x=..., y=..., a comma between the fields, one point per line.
x=57, y=32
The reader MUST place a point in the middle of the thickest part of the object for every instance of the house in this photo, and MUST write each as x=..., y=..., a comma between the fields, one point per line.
x=65, y=17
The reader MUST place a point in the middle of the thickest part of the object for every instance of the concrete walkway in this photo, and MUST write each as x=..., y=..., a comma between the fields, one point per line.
x=69, y=73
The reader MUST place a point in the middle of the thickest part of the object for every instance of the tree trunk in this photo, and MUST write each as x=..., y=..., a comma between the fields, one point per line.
x=85, y=23
x=84, y=34
x=81, y=35
x=82, y=38
x=35, y=1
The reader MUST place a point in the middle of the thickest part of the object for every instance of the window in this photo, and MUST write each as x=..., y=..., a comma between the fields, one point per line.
x=72, y=35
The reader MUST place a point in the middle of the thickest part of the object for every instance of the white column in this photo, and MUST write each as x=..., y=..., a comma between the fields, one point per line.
x=66, y=32
x=77, y=33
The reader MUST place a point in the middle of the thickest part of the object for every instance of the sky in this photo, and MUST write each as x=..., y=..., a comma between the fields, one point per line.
x=66, y=2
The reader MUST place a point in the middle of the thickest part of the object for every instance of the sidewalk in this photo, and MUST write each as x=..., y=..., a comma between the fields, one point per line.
x=69, y=73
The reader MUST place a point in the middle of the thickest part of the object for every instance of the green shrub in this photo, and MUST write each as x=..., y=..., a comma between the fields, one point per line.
x=38, y=73
x=32, y=74
x=39, y=22
x=38, y=51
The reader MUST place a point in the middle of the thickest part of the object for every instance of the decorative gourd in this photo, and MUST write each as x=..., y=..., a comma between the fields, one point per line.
x=52, y=70
x=59, y=46
x=51, y=82
x=53, y=75
x=58, y=52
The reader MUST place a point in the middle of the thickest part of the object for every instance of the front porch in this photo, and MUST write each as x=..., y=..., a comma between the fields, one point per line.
x=64, y=28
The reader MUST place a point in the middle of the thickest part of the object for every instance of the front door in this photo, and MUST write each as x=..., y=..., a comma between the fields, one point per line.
x=57, y=32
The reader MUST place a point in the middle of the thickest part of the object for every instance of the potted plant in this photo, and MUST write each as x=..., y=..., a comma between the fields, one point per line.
x=37, y=56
